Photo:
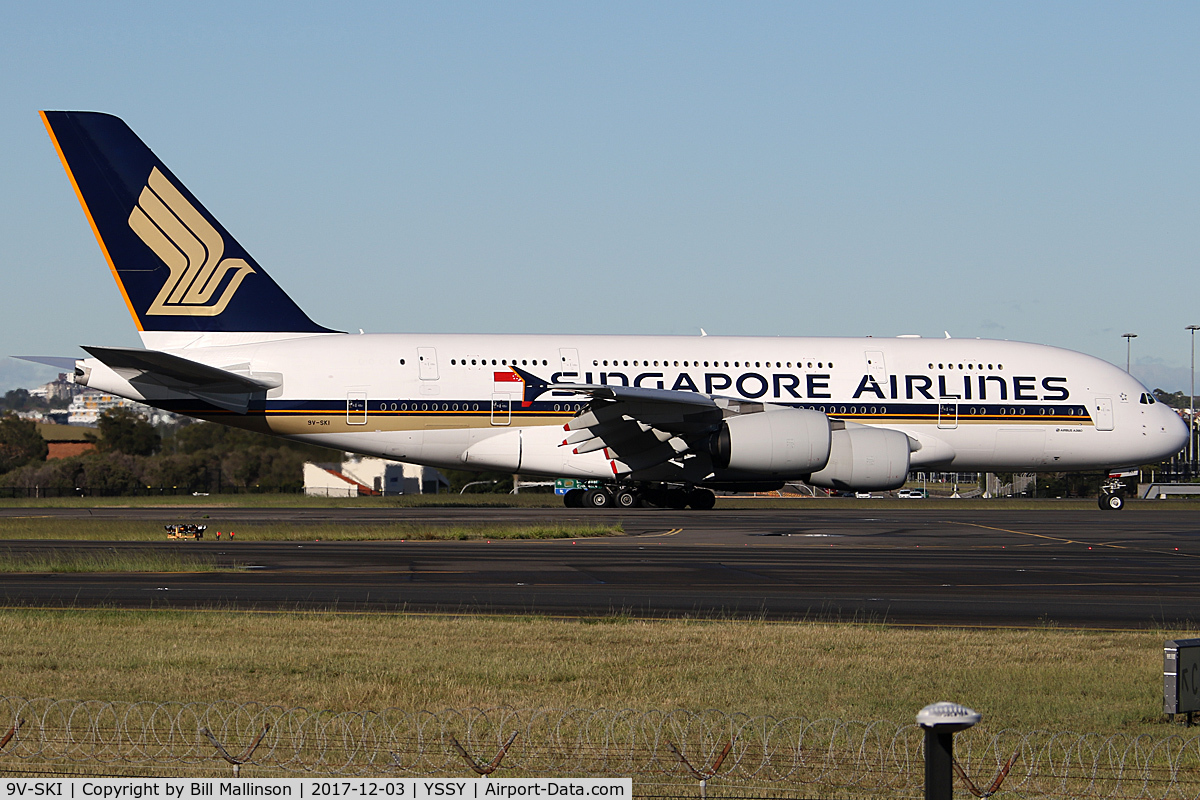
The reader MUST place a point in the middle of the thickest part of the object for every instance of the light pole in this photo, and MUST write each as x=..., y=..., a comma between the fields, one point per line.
x=1129, y=337
x=1192, y=403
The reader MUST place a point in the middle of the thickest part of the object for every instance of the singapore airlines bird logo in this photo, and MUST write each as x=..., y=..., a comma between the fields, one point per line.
x=190, y=247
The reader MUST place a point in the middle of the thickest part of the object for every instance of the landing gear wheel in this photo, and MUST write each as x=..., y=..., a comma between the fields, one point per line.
x=701, y=499
x=597, y=498
x=627, y=498
x=573, y=498
x=677, y=499
x=1111, y=502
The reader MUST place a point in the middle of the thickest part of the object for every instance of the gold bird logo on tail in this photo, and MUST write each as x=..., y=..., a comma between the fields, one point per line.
x=190, y=247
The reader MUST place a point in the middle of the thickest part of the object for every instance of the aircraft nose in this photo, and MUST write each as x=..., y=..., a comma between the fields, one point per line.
x=1174, y=430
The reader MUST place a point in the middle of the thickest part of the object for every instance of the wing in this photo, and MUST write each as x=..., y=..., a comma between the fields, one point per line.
x=222, y=388
x=642, y=428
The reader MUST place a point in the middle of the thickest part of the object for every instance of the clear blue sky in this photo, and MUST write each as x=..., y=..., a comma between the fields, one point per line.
x=1013, y=170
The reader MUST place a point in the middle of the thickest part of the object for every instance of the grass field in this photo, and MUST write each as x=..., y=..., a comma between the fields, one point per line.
x=1104, y=682
x=113, y=561
x=119, y=530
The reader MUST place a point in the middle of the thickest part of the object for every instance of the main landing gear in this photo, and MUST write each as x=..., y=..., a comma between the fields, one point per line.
x=639, y=496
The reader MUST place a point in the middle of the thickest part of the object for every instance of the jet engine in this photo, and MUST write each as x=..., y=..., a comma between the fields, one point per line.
x=865, y=459
x=783, y=441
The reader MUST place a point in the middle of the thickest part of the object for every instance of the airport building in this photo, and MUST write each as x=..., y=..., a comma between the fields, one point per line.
x=358, y=476
x=87, y=407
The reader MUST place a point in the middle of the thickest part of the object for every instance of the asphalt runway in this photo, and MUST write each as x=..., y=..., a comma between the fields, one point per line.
x=925, y=566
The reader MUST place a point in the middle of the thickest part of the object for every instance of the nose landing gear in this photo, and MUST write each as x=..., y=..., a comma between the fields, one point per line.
x=1112, y=494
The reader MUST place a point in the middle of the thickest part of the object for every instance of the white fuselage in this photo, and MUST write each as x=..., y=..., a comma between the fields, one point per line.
x=451, y=400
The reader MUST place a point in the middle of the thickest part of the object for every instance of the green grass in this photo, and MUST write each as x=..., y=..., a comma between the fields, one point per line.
x=111, y=561
x=1105, y=682
x=121, y=530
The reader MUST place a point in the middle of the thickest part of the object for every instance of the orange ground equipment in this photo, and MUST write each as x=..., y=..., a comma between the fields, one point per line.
x=185, y=531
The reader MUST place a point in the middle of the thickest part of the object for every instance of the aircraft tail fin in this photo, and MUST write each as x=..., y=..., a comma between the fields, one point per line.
x=178, y=269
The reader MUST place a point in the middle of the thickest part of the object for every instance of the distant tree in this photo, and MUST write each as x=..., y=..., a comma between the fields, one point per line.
x=264, y=469
x=1068, y=484
x=198, y=437
x=205, y=457
x=20, y=442
x=111, y=474
x=22, y=400
x=122, y=431
x=61, y=475
x=1173, y=399
x=177, y=471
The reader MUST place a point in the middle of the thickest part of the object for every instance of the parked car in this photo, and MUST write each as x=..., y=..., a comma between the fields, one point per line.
x=911, y=494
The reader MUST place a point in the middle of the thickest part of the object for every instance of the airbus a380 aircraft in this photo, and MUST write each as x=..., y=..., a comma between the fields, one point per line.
x=661, y=419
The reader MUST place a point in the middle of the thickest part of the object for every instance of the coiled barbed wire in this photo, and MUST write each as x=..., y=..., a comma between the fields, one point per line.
x=737, y=754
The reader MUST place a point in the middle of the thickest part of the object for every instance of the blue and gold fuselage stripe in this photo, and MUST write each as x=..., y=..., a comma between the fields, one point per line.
x=892, y=412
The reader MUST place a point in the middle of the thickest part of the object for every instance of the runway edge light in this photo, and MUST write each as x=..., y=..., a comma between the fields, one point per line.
x=941, y=721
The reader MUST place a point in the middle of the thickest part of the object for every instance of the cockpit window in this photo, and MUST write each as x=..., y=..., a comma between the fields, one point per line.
x=1146, y=399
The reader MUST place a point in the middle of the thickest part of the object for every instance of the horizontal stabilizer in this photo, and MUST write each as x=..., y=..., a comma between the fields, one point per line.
x=58, y=362
x=178, y=369
x=222, y=388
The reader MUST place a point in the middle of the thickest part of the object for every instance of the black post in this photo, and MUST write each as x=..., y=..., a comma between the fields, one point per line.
x=939, y=756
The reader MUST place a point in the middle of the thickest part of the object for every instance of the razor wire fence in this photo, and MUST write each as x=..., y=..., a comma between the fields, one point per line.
x=667, y=753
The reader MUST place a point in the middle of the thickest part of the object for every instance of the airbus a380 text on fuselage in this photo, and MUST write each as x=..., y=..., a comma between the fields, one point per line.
x=647, y=417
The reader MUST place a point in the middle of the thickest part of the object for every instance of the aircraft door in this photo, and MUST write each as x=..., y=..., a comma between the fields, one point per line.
x=1102, y=413
x=948, y=413
x=356, y=408
x=427, y=363
x=501, y=409
x=507, y=388
x=876, y=367
x=568, y=363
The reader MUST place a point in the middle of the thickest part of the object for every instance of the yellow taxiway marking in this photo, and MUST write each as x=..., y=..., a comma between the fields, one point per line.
x=1079, y=541
x=671, y=532
x=1040, y=535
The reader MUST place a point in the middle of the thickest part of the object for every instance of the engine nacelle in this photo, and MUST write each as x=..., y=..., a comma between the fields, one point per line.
x=786, y=441
x=865, y=459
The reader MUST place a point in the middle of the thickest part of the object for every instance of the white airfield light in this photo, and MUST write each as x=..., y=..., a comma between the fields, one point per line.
x=941, y=721
x=947, y=717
